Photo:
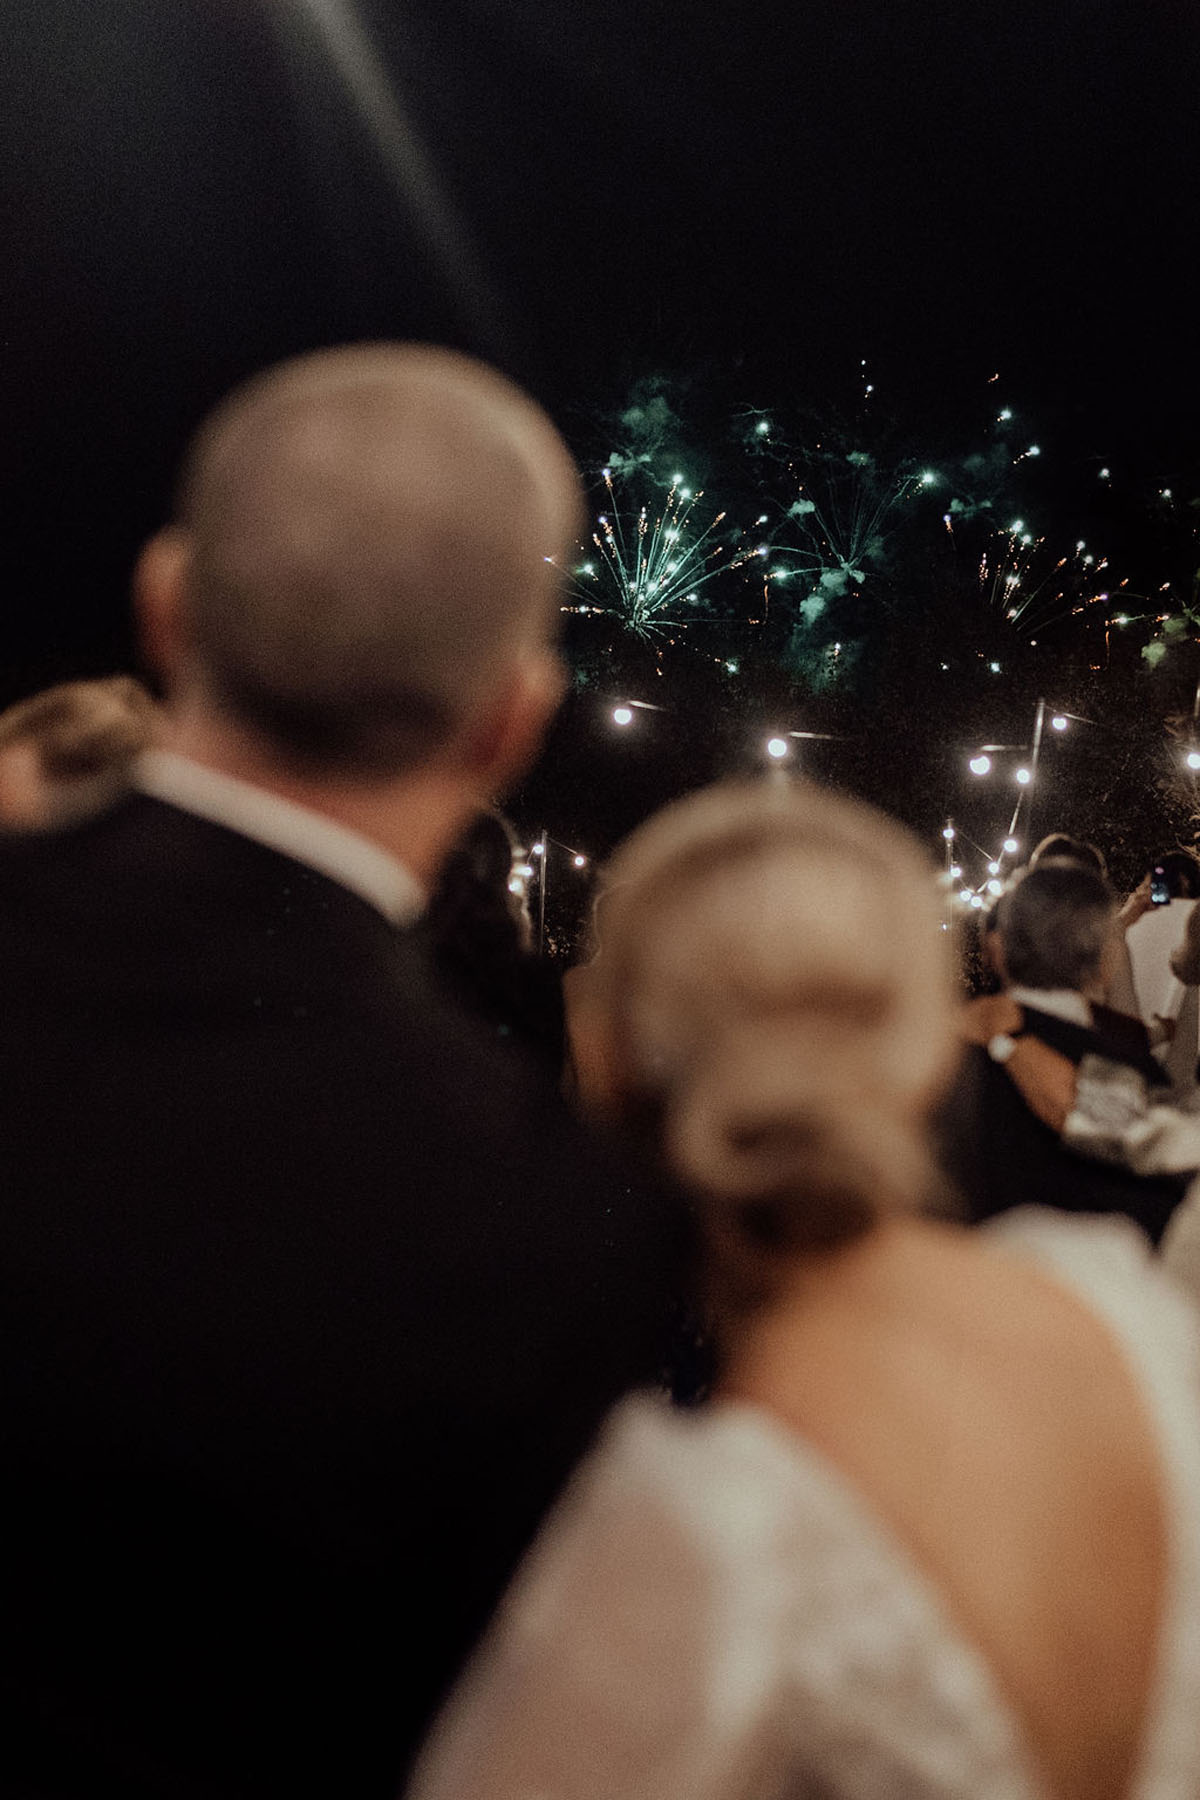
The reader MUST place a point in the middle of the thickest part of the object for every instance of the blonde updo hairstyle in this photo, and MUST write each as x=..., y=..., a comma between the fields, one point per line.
x=778, y=1003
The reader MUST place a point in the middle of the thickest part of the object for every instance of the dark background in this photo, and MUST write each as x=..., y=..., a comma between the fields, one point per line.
x=749, y=198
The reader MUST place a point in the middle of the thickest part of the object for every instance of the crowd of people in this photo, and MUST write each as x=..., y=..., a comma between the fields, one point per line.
x=752, y=1367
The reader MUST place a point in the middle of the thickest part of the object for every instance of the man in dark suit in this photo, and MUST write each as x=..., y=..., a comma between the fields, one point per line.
x=1000, y=1126
x=310, y=1299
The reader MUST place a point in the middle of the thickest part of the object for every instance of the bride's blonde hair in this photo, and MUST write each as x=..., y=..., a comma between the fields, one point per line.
x=776, y=992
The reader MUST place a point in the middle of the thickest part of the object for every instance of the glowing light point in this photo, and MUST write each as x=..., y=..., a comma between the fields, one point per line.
x=763, y=426
x=955, y=871
x=685, y=493
x=995, y=887
x=1034, y=450
x=1058, y=722
x=1011, y=846
x=1105, y=474
x=1193, y=759
x=993, y=868
x=622, y=715
x=964, y=895
x=1005, y=413
x=948, y=834
x=537, y=850
x=732, y=667
x=777, y=747
x=978, y=902
x=1121, y=619
x=928, y=478
x=994, y=667
x=676, y=479
x=580, y=862
x=1017, y=525
x=1023, y=777
x=980, y=765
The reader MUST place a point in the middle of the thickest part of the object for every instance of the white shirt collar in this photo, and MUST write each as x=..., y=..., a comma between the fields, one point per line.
x=345, y=856
x=1060, y=1003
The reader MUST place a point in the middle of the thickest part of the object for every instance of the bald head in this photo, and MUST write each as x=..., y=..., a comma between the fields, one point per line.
x=367, y=544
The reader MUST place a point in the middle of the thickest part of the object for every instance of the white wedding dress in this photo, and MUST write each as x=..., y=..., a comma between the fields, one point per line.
x=714, y=1614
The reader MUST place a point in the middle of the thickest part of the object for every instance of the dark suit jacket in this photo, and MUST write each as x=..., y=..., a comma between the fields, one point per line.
x=999, y=1154
x=309, y=1301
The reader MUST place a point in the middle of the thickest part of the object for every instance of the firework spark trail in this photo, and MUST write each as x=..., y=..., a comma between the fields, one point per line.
x=842, y=536
x=862, y=536
x=1032, y=599
x=655, y=567
x=843, y=511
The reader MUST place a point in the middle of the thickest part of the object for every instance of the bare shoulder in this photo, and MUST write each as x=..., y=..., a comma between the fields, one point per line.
x=982, y=1390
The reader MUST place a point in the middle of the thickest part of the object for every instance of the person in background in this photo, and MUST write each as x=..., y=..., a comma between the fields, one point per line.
x=999, y=1147
x=1119, y=995
x=1161, y=909
x=311, y=1297
x=937, y=1533
x=66, y=750
x=481, y=941
x=589, y=1077
x=1178, y=875
x=1058, y=846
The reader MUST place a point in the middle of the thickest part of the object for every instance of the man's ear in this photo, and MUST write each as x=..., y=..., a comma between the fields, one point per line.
x=159, y=578
x=502, y=745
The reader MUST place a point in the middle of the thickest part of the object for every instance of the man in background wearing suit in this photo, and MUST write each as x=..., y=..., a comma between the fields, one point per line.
x=1001, y=1126
x=309, y=1300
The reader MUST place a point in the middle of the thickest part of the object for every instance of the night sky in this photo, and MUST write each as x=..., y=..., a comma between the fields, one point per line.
x=753, y=197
